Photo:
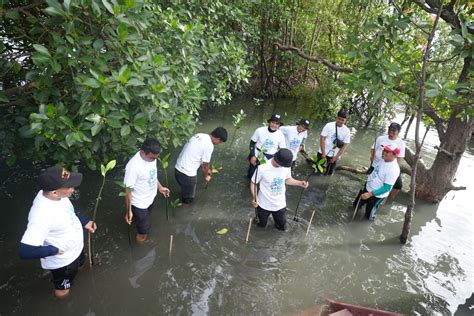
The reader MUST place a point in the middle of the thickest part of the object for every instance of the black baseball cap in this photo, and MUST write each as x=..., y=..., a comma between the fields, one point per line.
x=275, y=118
x=395, y=126
x=284, y=157
x=304, y=122
x=56, y=177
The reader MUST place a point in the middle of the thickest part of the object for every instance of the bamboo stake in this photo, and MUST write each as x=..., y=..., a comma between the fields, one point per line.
x=248, y=231
x=171, y=245
x=356, y=209
x=310, y=221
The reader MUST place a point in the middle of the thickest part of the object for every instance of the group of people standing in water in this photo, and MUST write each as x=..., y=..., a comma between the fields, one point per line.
x=54, y=233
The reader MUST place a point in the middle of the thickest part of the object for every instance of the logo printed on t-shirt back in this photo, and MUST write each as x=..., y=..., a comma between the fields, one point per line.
x=277, y=186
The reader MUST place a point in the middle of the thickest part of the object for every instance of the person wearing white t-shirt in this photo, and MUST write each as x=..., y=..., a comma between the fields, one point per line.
x=55, y=232
x=380, y=181
x=376, y=152
x=272, y=178
x=196, y=153
x=265, y=139
x=295, y=136
x=141, y=185
x=334, y=140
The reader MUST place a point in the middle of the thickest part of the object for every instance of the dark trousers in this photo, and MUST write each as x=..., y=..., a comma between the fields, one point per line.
x=371, y=204
x=330, y=167
x=279, y=217
x=142, y=219
x=188, y=186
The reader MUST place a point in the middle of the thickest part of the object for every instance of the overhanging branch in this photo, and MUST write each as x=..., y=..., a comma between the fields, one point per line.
x=316, y=59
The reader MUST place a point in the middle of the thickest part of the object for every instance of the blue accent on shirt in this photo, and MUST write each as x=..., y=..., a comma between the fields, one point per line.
x=383, y=189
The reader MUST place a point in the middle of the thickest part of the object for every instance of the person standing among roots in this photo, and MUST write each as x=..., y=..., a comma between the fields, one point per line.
x=141, y=185
x=267, y=139
x=272, y=178
x=55, y=232
x=295, y=136
x=334, y=140
x=380, y=181
x=376, y=153
x=196, y=153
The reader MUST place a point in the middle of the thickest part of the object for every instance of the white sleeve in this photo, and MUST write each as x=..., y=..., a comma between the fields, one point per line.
x=402, y=150
x=347, y=136
x=392, y=176
x=131, y=176
x=207, y=153
x=36, y=232
x=255, y=135
x=282, y=141
x=326, y=130
x=257, y=176
x=288, y=173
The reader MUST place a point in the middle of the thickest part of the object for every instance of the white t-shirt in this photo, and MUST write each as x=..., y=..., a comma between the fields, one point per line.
x=329, y=131
x=264, y=139
x=384, y=172
x=54, y=223
x=271, y=196
x=197, y=150
x=293, y=139
x=384, y=140
x=142, y=177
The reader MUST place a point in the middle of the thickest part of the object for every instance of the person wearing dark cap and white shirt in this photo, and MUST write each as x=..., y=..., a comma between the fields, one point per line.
x=272, y=178
x=295, y=136
x=55, y=232
x=376, y=152
x=267, y=139
x=141, y=186
x=196, y=153
x=334, y=140
x=380, y=181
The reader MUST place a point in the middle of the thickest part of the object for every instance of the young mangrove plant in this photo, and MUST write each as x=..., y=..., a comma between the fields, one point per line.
x=103, y=170
x=237, y=122
x=165, y=163
x=213, y=169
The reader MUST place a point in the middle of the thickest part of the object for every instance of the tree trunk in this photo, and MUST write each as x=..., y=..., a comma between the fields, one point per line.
x=433, y=184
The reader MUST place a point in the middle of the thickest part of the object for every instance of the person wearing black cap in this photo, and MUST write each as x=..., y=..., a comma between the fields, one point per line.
x=55, y=232
x=141, y=186
x=295, y=136
x=196, y=153
x=266, y=139
x=334, y=140
x=272, y=178
x=376, y=152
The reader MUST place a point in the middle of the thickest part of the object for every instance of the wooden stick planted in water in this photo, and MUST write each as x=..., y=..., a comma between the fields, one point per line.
x=309, y=225
x=248, y=231
x=171, y=245
x=356, y=209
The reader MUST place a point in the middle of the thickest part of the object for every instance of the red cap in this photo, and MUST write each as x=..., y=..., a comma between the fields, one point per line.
x=391, y=148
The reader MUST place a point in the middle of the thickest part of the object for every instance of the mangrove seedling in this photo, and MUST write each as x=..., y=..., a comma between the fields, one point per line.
x=237, y=122
x=176, y=203
x=103, y=170
x=165, y=163
x=213, y=169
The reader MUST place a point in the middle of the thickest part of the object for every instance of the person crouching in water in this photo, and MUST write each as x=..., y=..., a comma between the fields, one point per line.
x=380, y=181
x=272, y=178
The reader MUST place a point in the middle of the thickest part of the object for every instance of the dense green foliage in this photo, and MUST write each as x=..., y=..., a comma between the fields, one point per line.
x=99, y=76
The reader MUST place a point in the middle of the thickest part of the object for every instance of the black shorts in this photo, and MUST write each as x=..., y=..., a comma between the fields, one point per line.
x=142, y=219
x=188, y=186
x=398, y=183
x=63, y=277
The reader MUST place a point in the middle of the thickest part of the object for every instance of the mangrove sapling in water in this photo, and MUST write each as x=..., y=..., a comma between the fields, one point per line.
x=128, y=211
x=317, y=166
x=103, y=170
x=165, y=163
x=237, y=122
x=214, y=170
